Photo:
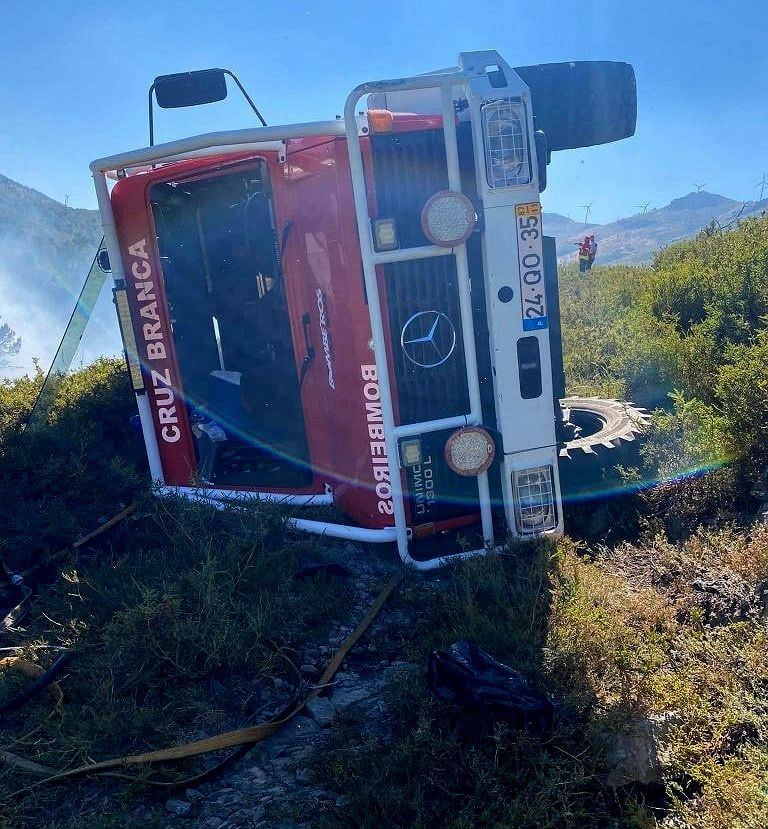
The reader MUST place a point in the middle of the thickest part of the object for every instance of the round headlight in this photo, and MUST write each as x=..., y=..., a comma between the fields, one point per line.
x=470, y=451
x=448, y=218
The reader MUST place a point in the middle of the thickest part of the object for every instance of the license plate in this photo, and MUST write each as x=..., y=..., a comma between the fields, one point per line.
x=533, y=296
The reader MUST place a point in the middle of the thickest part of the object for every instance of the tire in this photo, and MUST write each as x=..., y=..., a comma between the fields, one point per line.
x=600, y=424
x=602, y=435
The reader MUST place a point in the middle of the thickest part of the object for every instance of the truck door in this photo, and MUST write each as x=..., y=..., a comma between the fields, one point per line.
x=229, y=315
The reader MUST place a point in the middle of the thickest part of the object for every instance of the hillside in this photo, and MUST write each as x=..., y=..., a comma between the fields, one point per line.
x=47, y=250
x=647, y=623
x=564, y=230
x=635, y=239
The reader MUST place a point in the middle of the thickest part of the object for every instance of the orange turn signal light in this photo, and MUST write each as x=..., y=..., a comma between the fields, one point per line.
x=380, y=120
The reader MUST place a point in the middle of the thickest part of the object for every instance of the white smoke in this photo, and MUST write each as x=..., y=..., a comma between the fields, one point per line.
x=41, y=324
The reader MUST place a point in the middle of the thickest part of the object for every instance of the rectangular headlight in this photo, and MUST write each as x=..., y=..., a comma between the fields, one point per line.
x=534, y=500
x=505, y=136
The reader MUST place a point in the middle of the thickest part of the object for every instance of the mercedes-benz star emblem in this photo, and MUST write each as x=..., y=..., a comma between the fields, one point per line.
x=428, y=339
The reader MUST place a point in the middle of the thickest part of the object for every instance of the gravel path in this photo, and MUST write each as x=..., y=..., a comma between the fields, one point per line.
x=273, y=785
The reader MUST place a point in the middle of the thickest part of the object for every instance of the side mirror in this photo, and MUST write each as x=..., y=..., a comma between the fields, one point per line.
x=582, y=103
x=102, y=260
x=188, y=89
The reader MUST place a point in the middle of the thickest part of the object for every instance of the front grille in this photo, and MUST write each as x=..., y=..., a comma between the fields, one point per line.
x=408, y=169
x=430, y=390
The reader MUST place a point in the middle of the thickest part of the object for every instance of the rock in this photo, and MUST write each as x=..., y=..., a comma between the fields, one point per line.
x=307, y=668
x=276, y=751
x=178, y=807
x=633, y=754
x=295, y=756
x=228, y=799
x=256, y=813
x=299, y=728
x=303, y=775
x=344, y=697
x=256, y=773
x=238, y=820
x=321, y=710
x=213, y=823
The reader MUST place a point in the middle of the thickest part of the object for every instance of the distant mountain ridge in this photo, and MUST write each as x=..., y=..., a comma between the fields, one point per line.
x=635, y=239
x=47, y=250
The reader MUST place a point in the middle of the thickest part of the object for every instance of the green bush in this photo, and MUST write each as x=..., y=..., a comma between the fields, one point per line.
x=58, y=481
x=687, y=335
x=183, y=618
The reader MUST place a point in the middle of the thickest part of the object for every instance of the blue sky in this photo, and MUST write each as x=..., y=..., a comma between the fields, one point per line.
x=74, y=78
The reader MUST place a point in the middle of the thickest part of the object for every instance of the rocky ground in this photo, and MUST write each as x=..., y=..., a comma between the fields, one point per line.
x=274, y=785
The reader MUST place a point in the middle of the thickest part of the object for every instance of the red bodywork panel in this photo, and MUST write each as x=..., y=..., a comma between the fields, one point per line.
x=323, y=274
x=323, y=277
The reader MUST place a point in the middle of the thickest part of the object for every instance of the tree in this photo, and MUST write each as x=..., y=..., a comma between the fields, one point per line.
x=10, y=344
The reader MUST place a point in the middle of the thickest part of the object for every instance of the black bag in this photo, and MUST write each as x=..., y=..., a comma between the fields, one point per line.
x=465, y=675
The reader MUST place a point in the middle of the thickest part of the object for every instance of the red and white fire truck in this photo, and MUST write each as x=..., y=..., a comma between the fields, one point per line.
x=363, y=311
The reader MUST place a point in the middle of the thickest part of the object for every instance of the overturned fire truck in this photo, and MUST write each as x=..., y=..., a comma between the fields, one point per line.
x=360, y=312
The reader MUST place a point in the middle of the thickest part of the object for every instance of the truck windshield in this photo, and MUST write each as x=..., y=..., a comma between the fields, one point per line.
x=231, y=330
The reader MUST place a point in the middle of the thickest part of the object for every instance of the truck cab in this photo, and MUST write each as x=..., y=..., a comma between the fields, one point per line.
x=360, y=312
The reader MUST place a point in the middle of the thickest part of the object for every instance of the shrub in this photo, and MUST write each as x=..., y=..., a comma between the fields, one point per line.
x=688, y=335
x=59, y=480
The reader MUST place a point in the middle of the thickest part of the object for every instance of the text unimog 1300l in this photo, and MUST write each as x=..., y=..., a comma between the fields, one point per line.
x=360, y=311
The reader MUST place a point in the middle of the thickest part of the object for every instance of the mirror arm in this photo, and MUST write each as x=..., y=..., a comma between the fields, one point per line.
x=151, y=117
x=246, y=95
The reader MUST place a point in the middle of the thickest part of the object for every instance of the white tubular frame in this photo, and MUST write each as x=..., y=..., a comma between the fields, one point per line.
x=445, y=82
x=225, y=141
x=326, y=528
x=272, y=138
x=314, y=499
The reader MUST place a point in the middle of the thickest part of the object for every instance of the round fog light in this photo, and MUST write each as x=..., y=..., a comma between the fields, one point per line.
x=448, y=218
x=470, y=451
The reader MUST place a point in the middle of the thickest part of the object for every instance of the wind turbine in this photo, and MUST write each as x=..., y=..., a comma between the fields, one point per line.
x=587, y=208
x=643, y=207
x=762, y=185
x=699, y=186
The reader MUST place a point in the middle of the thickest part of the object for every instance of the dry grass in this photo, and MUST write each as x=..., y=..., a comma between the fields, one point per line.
x=616, y=640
